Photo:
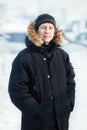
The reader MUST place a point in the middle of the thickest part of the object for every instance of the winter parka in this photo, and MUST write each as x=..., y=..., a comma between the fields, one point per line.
x=41, y=76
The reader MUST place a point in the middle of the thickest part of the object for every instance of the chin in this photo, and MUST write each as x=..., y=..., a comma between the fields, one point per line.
x=47, y=41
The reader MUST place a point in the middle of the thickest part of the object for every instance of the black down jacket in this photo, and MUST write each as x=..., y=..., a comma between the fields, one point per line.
x=38, y=75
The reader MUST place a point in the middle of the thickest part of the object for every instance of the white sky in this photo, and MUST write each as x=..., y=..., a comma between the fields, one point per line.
x=76, y=8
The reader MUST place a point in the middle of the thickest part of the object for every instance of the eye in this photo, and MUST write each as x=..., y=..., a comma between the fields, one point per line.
x=43, y=27
x=51, y=27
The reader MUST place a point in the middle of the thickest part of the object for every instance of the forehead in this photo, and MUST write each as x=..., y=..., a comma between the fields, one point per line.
x=46, y=24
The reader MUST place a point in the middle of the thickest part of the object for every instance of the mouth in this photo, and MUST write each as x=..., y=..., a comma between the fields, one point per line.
x=46, y=36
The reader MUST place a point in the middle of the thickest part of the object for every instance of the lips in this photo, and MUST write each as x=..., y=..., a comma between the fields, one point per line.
x=46, y=36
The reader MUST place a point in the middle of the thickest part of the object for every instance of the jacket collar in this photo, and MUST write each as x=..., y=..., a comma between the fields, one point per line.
x=45, y=49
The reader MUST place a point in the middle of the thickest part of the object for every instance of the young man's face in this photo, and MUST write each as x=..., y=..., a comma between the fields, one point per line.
x=46, y=32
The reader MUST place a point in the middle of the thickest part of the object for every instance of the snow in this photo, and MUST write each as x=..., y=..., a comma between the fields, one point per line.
x=10, y=116
x=78, y=56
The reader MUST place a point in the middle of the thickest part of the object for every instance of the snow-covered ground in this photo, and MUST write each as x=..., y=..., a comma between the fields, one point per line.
x=78, y=58
x=10, y=116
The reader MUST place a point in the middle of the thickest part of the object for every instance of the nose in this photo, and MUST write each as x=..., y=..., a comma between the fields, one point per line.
x=47, y=30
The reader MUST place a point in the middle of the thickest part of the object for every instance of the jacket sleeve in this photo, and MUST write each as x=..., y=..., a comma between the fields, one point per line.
x=19, y=82
x=70, y=75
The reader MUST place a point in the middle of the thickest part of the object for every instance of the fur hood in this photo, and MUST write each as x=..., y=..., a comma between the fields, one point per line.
x=35, y=38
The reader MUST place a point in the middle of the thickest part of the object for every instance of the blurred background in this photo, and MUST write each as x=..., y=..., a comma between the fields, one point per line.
x=71, y=17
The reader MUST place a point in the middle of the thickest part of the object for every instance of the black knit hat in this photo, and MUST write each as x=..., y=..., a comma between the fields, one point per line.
x=43, y=18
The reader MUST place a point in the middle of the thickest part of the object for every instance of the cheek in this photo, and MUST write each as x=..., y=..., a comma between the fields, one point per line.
x=41, y=33
x=53, y=34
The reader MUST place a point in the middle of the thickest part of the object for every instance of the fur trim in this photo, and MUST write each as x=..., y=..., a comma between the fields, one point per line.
x=35, y=38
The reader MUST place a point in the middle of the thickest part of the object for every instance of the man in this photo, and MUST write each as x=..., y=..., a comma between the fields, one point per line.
x=42, y=82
